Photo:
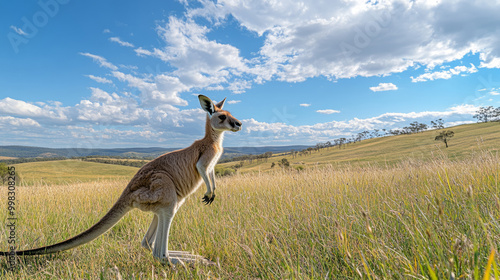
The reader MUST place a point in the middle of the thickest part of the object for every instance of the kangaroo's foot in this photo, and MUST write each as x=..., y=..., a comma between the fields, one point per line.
x=208, y=198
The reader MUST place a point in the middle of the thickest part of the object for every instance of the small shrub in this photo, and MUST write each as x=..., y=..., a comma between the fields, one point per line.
x=222, y=171
x=284, y=163
x=299, y=167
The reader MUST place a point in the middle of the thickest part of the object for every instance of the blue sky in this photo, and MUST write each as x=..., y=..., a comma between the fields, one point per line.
x=127, y=73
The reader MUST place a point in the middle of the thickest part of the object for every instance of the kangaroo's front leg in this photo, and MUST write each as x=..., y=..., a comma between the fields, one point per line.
x=212, y=178
x=209, y=196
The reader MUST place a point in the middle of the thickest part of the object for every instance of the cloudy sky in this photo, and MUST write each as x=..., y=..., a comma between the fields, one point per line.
x=127, y=73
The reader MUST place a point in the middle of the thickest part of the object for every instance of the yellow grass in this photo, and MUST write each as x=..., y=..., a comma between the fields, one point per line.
x=3, y=158
x=414, y=220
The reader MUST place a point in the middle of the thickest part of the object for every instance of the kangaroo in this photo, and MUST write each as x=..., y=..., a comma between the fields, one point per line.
x=162, y=185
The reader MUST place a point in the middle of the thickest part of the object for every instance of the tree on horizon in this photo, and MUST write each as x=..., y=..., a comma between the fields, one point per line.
x=438, y=124
x=487, y=114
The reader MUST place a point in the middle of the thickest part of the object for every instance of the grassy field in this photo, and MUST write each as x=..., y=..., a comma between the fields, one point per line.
x=390, y=150
x=71, y=171
x=415, y=219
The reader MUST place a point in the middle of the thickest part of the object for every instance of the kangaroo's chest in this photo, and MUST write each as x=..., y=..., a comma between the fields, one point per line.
x=215, y=159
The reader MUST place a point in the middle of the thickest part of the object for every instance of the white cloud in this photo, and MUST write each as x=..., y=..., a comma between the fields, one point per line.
x=239, y=86
x=327, y=111
x=489, y=61
x=465, y=109
x=447, y=124
x=445, y=74
x=8, y=122
x=304, y=105
x=120, y=42
x=106, y=31
x=101, y=61
x=99, y=79
x=234, y=101
x=199, y=62
x=384, y=87
x=13, y=107
x=494, y=93
x=105, y=109
x=18, y=30
x=163, y=89
x=142, y=52
x=344, y=39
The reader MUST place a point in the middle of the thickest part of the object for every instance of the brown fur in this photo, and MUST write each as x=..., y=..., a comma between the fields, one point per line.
x=147, y=188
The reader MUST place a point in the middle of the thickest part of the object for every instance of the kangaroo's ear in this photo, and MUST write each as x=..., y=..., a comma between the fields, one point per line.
x=206, y=104
x=221, y=104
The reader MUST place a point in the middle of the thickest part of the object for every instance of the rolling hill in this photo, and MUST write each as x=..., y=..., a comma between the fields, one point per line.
x=32, y=152
x=389, y=150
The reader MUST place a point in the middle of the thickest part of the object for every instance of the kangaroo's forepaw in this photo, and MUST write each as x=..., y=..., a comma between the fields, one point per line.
x=208, y=200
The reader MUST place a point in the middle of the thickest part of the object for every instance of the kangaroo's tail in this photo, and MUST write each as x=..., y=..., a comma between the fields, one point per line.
x=107, y=222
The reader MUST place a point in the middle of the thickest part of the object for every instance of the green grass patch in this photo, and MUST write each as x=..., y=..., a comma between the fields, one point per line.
x=70, y=171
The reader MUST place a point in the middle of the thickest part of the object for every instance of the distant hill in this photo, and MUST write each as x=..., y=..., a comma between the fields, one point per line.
x=468, y=139
x=261, y=150
x=33, y=152
x=390, y=150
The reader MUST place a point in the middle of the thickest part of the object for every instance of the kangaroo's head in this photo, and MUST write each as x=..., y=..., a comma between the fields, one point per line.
x=220, y=120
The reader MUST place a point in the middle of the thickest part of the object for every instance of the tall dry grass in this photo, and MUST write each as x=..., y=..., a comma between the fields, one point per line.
x=424, y=220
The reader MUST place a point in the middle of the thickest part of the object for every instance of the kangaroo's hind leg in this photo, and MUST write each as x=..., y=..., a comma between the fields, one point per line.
x=149, y=238
x=160, y=247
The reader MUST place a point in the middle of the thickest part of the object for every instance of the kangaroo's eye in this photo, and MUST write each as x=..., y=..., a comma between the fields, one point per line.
x=222, y=117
